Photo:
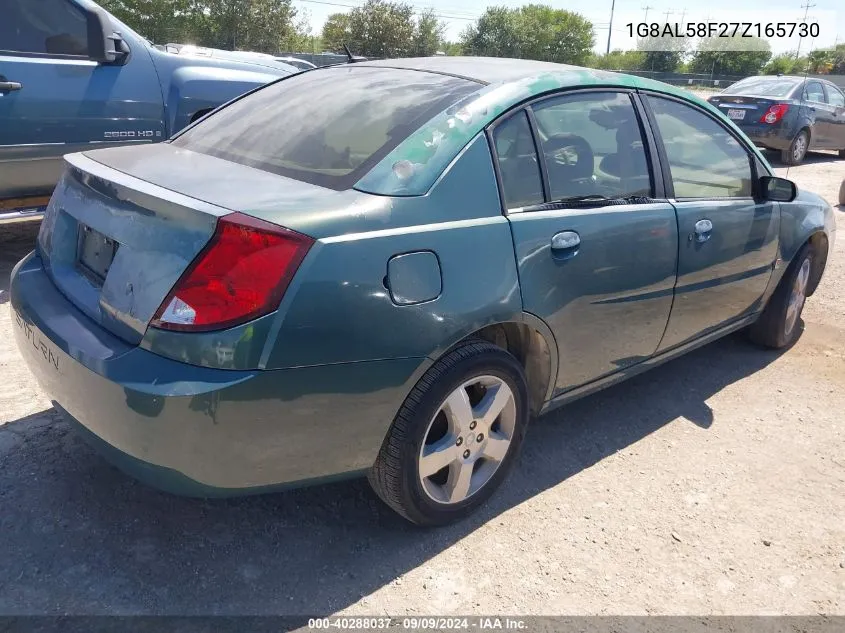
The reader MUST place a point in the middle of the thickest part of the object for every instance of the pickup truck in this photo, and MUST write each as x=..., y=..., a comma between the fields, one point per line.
x=74, y=78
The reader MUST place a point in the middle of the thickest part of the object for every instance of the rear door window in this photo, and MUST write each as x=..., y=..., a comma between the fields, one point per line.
x=518, y=165
x=814, y=92
x=593, y=146
x=328, y=127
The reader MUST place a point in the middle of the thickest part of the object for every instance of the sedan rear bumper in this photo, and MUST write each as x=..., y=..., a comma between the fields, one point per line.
x=768, y=137
x=200, y=431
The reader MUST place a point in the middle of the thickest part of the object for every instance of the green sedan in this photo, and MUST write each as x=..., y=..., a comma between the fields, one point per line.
x=387, y=268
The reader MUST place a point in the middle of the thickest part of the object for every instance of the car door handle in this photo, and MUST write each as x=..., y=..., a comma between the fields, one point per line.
x=8, y=86
x=565, y=244
x=703, y=229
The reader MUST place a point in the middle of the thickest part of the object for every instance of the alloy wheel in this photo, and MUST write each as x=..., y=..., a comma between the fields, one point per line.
x=799, y=148
x=797, y=297
x=467, y=439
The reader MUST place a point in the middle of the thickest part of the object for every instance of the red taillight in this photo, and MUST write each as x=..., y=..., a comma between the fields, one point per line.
x=774, y=113
x=240, y=275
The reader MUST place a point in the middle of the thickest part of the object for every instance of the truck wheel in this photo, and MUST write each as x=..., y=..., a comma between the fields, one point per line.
x=455, y=437
x=777, y=326
x=842, y=193
x=797, y=149
x=200, y=114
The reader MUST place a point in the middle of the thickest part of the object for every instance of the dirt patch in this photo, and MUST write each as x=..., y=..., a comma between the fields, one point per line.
x=713, y=484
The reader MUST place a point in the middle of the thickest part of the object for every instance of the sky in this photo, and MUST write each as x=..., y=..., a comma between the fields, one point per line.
x=457, y=14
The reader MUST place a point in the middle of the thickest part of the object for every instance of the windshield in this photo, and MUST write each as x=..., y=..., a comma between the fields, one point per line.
x=763, y=87
x=327, y=127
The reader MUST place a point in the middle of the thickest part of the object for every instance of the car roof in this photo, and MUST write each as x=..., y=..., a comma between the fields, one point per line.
x=533, y=77
x=503, y=84
x=486, y=70
x=775, y=77
x=795, y=78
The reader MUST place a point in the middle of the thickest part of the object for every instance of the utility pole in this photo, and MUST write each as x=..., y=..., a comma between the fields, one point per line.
x=667, y=13
x=806, y=8
x=610, y=26
x=646, y=8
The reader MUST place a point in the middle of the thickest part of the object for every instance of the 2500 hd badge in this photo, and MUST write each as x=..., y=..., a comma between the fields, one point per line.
x=34, y=339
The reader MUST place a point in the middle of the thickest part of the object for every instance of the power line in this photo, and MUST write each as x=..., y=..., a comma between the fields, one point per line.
x=806, y=8
x=417, y=9
x=610, y=28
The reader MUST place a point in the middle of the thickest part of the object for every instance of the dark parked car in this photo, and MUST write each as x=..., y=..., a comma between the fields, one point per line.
x=393, y=282
x=788, y=114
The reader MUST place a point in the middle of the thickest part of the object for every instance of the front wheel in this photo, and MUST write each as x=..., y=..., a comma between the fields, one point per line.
x=455, y=437
x=778, y=327
x=797, y=149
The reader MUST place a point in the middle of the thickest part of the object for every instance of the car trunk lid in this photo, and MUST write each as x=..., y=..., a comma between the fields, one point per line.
x=743, y=110
x=124, y=224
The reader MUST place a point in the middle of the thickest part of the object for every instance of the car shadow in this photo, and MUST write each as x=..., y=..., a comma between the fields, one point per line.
x=811, y=158
x=16, y=240
x=79, y=537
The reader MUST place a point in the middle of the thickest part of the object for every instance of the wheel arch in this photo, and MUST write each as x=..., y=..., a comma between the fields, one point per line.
x=200, y=114
x=532, y=343
x=821, y=246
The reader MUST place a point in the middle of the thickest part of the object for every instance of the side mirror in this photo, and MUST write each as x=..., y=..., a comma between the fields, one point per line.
x=104, y=44
x=778, y=189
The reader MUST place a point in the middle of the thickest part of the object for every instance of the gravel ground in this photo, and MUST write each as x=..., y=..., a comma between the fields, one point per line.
x=713, y=484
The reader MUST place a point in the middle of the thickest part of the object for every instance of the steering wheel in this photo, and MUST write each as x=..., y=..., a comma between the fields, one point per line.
x=572, y=152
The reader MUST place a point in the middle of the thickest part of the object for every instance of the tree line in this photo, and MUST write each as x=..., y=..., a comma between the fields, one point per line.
x=392, y=28
x=266, y=26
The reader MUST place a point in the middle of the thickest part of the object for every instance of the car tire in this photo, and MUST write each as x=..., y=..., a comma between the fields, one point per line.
x=842, y=193
x=777, y=326
x=442, y=457
x=797, y=149
x=842, y=153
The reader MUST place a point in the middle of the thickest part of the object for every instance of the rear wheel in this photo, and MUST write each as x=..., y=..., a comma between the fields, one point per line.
x=842, y=153
x=797, y=149
x=778, y=325
x=455, y=437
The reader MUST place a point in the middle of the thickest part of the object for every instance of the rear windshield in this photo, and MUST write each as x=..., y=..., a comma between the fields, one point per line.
x=328, y=127
x=763, y=87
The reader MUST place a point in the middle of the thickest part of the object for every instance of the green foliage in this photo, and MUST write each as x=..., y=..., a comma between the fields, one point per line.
x=662, y=61
x=428, y=34
x=336, y=32
x=785, y=64
x=160, y=21
x=662, y=54
x=818, y=62
x=714, y=55
x=380, y=28
x=452, y=49
x=255, y=25
x=619, y=60
x=533, y=31
x=821, y=61
x=838, y=60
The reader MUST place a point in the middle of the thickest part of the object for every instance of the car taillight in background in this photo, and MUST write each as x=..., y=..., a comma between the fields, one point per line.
x=241, y=274
x=774, y=113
